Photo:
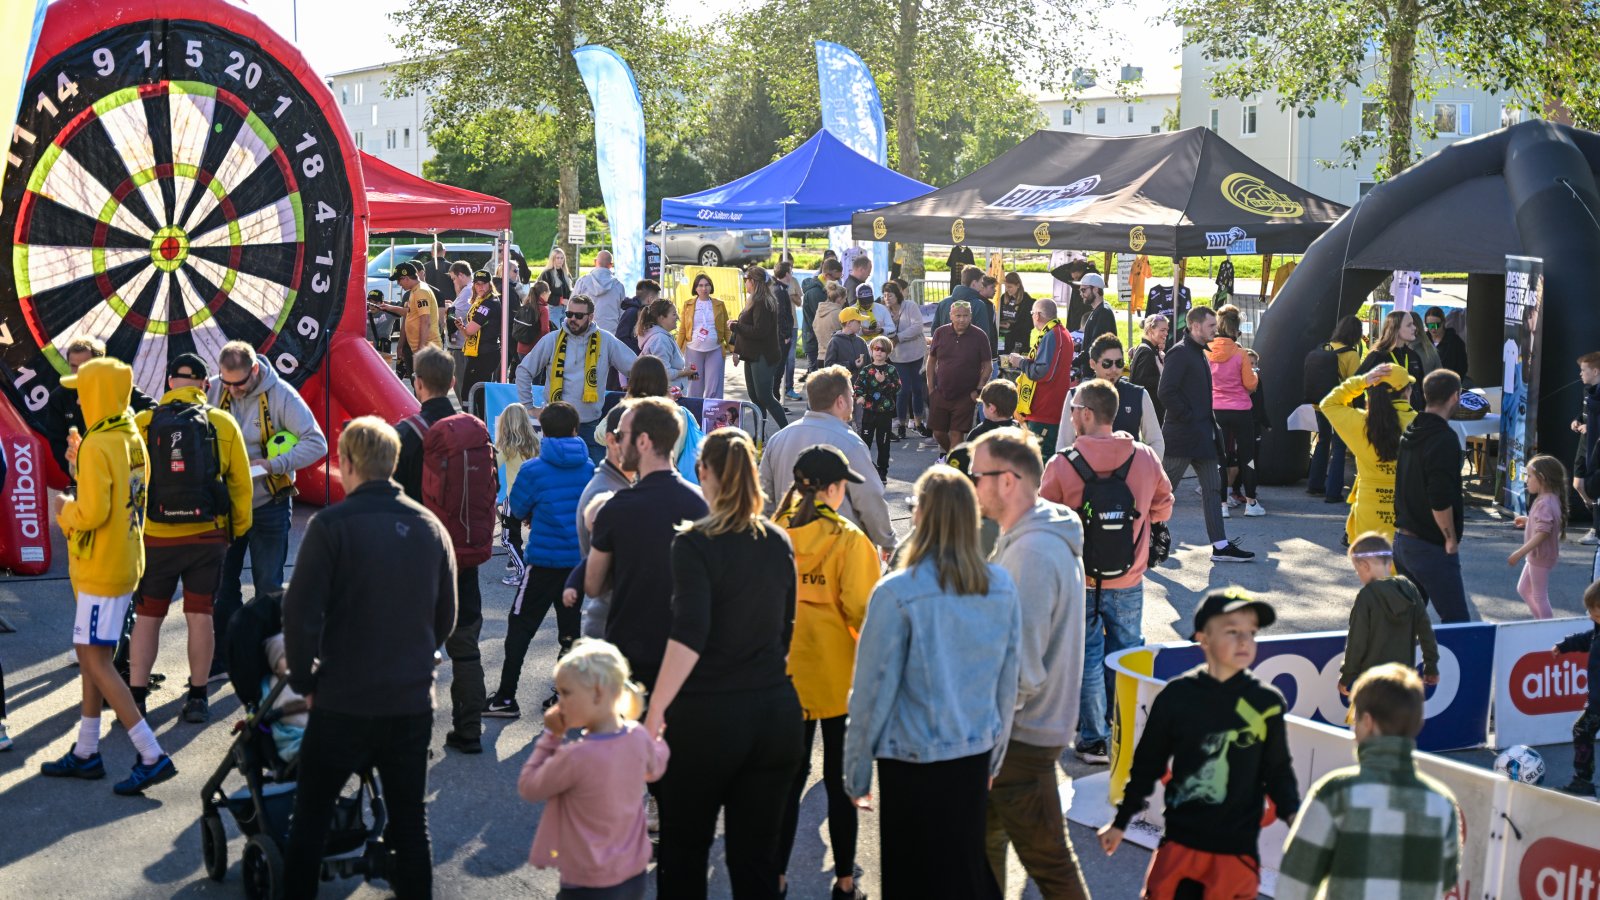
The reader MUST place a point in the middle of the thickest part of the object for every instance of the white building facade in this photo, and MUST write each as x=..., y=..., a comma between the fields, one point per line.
x=1097, y=109
x=1297, y=147
x=390, y=128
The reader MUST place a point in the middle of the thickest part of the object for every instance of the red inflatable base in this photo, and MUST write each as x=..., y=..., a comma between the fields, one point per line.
x=25, y=529
x=362, y=385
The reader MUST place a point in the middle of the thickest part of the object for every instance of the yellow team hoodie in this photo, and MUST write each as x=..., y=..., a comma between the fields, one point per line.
x=104, y=522
x=838, y=568
x=231, y=458
x=1372, y=496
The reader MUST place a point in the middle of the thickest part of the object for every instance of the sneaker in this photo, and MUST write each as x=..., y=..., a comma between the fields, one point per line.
x=463, y=744
x=896, y=438
x=924, y=430
x=5, y=739
x=855, y=893
x=792, y=395
x=551, y=700
x=1254, y=509
x=1337, y=497
x=196, y=711
x=1235, y=500
x=498, y=708
x=1316, y=491
x=512, y=579
x=74, y=766
x=144, y=776
x=1590, y=538
x=219, y=671
x=900, y=432
x=1583, y=787
x=1094, y=753
x=1225, y=514
x=652, y=815
x=1231, y=553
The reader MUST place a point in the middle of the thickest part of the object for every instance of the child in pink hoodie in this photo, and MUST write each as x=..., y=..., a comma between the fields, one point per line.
x=590, y=767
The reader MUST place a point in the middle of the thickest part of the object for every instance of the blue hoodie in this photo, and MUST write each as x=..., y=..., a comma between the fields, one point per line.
x=546, y=494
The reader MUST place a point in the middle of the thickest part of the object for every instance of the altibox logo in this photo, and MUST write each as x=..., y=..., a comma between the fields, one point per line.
x=1554, y=869
x=1542, y=684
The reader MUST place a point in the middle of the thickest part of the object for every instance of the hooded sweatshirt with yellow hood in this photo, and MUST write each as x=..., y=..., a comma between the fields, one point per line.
x=104, y=522
x=1372, y=496
x=838, y=568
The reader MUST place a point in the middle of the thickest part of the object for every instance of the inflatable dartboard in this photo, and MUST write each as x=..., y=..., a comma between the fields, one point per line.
x=177, y=179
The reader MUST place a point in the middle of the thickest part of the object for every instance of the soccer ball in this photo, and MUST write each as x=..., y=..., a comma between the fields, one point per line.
x=281, y=443
x=1521, y=763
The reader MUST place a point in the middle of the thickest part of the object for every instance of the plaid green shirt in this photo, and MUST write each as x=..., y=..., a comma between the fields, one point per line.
x=1378, y=829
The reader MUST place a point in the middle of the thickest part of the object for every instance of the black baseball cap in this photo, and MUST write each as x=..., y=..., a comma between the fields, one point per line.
x=404, y=270
x=1232, y=599
x=482, y=276
x=822, y=465
x=863, y=291
x=374, y=296
x=187, y=365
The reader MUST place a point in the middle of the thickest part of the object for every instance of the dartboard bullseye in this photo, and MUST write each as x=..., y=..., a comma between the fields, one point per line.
x=171, y=186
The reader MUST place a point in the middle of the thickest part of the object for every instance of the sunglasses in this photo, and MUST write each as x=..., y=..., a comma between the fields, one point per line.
x=979, y=476
x=1109, y=362
x=1434, y=326
x=240, y=383
x=578, y=315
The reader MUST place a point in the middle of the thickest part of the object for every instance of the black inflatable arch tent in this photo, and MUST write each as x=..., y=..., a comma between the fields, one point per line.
x=1530, y=190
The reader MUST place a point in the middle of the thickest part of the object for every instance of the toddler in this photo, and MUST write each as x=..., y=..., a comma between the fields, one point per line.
x=589, y=767
x=1388, y=621
x=1543, y=529
x=877, y=388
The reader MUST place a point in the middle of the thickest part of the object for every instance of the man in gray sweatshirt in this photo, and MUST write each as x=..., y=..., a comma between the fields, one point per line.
x=586, y=354
x=1041, y=547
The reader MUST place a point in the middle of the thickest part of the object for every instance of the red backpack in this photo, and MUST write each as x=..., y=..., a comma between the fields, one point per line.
x=460, y=482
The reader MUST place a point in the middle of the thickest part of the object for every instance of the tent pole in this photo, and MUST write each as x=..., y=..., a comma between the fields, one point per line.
x=1266, y=276
x=505, y=300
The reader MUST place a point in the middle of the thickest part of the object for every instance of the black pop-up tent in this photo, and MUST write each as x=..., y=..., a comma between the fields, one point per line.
x=1184, y=193
x=1530, y=189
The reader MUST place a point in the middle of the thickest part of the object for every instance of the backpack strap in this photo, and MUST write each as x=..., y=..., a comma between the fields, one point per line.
x=1080, y=465
x=1121, y=473
x=418, y=424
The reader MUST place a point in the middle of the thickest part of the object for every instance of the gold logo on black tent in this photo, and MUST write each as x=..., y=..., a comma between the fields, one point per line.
x=958, y=231
x=879, y=228
x=1136, y=238
x=1251, y=194
x=1041, y=235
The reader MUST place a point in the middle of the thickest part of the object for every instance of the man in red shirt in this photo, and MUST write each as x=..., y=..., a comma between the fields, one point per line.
x=958, y=363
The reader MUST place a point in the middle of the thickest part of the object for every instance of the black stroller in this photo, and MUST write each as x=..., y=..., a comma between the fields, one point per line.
x=263, y=807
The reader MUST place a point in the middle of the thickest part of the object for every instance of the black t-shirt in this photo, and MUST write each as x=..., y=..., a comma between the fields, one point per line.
x=486, y=315
x=636, y=527
x=733, y=599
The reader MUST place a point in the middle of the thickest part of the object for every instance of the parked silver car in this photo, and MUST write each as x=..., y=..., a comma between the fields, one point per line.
x=696, y=246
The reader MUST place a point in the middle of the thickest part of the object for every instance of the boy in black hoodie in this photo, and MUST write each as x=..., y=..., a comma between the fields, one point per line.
x=1222, y=731
x=1389, y=618
x=1583, y=730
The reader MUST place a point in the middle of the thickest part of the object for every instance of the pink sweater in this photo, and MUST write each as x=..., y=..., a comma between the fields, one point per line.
x=592, y=828
x=1544, y=515
x=1152, y=492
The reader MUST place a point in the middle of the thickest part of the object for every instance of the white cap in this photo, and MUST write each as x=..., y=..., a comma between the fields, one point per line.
x=1092, y=279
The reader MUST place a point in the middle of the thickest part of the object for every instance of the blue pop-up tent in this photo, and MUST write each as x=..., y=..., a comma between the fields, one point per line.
x=821, y=183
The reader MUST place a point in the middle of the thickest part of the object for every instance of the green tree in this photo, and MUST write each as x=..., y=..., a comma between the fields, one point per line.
x=1537, y=52
x=476, y=57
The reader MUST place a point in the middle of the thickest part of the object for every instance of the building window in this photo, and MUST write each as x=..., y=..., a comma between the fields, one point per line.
x=1452, y=119
x=374, y=114
x=1155, y=129
x=361, y=143
x=1247, y=120
x=1215, y=120
x=1510, y=116
x=1066, y=116
x=407, y=139
x=1363, y=187
x=344, y=95
x=388, y=141
x=1099, y=115
x=1130, y=115
x=360, y=92
x=1371, y=118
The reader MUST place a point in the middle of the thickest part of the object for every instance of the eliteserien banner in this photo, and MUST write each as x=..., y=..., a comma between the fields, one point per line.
x=852, y=112
x=619, y=153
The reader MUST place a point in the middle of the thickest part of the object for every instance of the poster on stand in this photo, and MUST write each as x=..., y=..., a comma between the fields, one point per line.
x=1519, y=398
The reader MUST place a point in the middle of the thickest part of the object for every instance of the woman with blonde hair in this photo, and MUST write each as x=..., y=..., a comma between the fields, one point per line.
x=723, y=687
x=1394, y=346
x=703, y=335
x=516, y=442
x=934, y=695
x=555, y=275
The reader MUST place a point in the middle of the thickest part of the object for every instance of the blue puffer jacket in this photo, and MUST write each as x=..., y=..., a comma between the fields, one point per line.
x=546, y=494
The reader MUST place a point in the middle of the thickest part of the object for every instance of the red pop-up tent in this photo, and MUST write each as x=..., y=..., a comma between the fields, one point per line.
x=401, y=203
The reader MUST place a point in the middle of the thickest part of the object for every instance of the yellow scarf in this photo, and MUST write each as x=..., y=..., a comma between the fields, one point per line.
x=276, y=484
x=470, y=348
x=591, y=369
x=1026, y=385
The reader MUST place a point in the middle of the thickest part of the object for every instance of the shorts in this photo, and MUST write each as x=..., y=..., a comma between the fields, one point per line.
x=99, y=620
x=1214, y=876
x=197, y=563
x=951, y=415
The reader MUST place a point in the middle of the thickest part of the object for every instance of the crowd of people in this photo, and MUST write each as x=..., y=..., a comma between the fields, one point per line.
x=719, y=603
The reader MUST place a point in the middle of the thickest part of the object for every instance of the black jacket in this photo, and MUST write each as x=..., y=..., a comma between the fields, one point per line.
x=1144, y=369
x=1188, y=426
x=408, y=469
x=755, y=334
x=560, y=285
x=1224, y=764
x=1020, y=332
x=1095, y=322
x=1427, y=476
x=62, y=412
x=1587, y=464
x=372, y=599
x=1586, y=641
x=628, y=321
x=1453, y=352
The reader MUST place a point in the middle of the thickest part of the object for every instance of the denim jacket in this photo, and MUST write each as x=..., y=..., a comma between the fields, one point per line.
x=936, y=674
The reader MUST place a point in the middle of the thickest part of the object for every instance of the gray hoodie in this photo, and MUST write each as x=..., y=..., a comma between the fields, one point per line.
x=287, y=412
x=606, y=291
x=1043, y=554
x=614, y=354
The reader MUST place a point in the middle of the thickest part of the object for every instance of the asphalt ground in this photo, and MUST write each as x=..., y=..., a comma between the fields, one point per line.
x=72, y=839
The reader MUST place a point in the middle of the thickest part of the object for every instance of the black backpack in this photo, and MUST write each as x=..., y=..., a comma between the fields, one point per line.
x=1321, y=373
x=186, y=485
x=1109, y=518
